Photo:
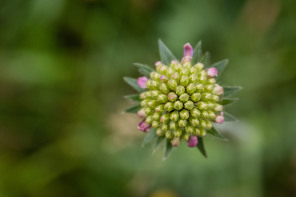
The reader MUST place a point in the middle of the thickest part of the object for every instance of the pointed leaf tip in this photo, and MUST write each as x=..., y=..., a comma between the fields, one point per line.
x=213, y=131
x=197, y=53
x=168, y=149
x=230, y=90
x=133, y=83
x=220, y=66
x=201, y=147
x=133, y=109
x=149, y=137
x=166, y=55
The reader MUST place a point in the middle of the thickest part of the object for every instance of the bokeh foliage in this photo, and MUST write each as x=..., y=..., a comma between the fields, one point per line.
x=62, y=132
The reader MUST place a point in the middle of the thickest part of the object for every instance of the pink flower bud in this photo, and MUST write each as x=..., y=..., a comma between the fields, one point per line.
x=218, y=90
x=175, y=142
x=186, y=59
x=144, y=126
x=141, y=113
x=188, y=50
x=212, y=72
x=158, y=63
x=142, y=82
x=174, y=62
x=192, y=142
x=219, y=119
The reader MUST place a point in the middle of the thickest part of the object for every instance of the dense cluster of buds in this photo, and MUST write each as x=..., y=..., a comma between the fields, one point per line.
x=180, y=100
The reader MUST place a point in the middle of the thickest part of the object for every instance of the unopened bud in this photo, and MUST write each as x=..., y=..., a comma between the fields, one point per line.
x=195, y=113
x=192, y=142
x=178, y=105
x=184, y=97
x=212, y=72
x=195, y=97
x=164, y=88
x=189, y=105
x=182, y=123
x=174, y=116
x=141, y=113
x=172, y=84
x=142, y=82
x=184, y=80
x=184, y=114
x=172, y=96
x=169, y=106
x=175, y=142
x=180, y=90
x=162, y=98
x=218, y=90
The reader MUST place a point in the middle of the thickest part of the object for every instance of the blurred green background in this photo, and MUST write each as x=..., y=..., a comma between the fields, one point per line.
x=62, y=132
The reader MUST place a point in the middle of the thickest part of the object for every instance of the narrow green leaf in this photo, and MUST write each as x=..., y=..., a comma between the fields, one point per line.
x=157, y=143
x=213, y=131
x=133, y=97
x=144, y=69
x=220, y=66
x=230, y=90
x=229, y=117
x=201, y=147
x=133, y=83
x=149, y=137
x=227, y=101
x=206, y=59
x=166, y=56
x=168, y=149
x=197, y=53
x=133, y=109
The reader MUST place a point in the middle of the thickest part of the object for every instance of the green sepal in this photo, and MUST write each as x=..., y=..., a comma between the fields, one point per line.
x=157, y=143
x=168, y=149
x=201, y=147
x=229, y=117
x=213, y=131
x=133, y=109
x=230, y=90
x=133, y=97
x=220, y=66
x=144, y=69
x=227, y=101
x=149, y=137
x=206, y=59
x=166, y=56
x=133, y=83
x=197, y=53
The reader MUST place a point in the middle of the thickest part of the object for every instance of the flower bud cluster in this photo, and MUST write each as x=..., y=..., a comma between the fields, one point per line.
x=181, y=101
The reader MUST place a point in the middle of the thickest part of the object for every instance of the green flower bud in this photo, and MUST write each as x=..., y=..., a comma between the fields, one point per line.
x=176, y=76
x=149, y=119
x=155, y=93
x=178, y=105
x=169, y=106
x=193, y=70
x=202, y=105
x=182, y=123
x=189, y=105
x=210, y=105
x=193, y=78
x=152, y=103
x=162, y=98
x=190, y=88
x=143, y=103
x=160, y=132
x=155, y=76
x=209, y=124
x=172, y=83
x=159, y=108
x=194, y=122
x=177, y=132
x=215, y=98
x=200, y=87
x=155, y=124
x=184, y=97
x=185, y=71
x=161, y=69
x=199, y=66
x=205, y=114
x=195, y=97
x=180, y=90
x=173, y=125
x=168, y=135
x=174, y=116
x=164, y=88
x=196, y=131
x=189, y=129
x=206, y=96
x=175, y=142
x=152, y=85
x=156, y=116
x=184, y=114
x=211, y=81
x=195, y=113
x=143, y=95
x=218, y=107
x=186, y=137
x=184, y=80
x=203, y=123
x=202, y=132
x=165, y=118
x=212, y=115
x=148, y=110
x=169, y=71
x=165, y=127
x=172, y=96
x=210, y=88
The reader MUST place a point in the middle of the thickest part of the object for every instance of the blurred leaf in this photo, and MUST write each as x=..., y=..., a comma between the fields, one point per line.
x=197, y=53
x=133, y=83
x=213, y=131
x=220, y=66
x=227, y=101
x=133, y=109
x=168, y=149
x=229, y=117
x=201, y=147
x=166, y=56
x=158, y=141
x=144, y=69
x=230, y=90
x=134, y=97
x=149, y=137
x=206, y=59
